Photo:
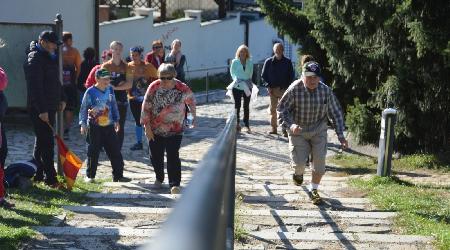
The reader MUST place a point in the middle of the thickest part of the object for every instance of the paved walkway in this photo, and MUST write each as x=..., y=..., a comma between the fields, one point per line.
x=275, y=213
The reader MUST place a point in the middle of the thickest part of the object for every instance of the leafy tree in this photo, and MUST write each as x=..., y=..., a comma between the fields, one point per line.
x=383, y=52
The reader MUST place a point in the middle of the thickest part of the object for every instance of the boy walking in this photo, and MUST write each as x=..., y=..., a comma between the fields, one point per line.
x=99, y=120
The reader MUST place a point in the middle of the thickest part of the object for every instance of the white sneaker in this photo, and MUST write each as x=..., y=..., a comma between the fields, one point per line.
x=175, y=190
x=157, y=184
x=89, y=180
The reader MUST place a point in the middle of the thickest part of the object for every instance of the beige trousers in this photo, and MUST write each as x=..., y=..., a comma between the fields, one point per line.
x=276, y=95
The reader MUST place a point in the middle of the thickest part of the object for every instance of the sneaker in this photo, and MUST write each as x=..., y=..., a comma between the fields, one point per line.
x=285, y=134
x=273, y=132
x=157, y=184
x=175, y=190
x=6, y=205
x=57, y=185
x=122, y=179
x=88, y=180
x=137, y=146
x=38, y=178
x=248, y=130
x=315, y=197
x=298, y=179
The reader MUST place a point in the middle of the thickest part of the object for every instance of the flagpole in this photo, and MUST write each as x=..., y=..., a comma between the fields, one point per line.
x=60, y=113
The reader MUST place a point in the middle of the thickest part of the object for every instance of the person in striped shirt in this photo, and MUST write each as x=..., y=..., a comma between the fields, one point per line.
x=303, y=111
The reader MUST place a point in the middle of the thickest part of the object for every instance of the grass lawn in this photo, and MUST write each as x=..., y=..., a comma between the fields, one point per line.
x=422, y=209
x=219, y=81
x=36, y=207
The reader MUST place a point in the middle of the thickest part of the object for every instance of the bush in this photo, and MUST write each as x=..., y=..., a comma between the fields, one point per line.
x=362, y=123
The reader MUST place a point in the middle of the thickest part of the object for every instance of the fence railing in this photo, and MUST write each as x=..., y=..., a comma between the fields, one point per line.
x=203, y=218
x=207, y=76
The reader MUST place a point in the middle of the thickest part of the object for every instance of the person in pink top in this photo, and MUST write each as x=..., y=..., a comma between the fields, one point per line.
x=162, y=116
x=90, y=80
x=3, y=143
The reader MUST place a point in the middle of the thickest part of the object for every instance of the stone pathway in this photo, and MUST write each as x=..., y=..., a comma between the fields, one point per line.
x=275, y=213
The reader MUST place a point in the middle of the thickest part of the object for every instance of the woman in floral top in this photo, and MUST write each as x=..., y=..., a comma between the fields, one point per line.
x=162, y=116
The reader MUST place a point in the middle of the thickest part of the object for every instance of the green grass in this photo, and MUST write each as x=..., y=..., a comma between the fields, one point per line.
x=36, y=207
x=357, y=164
x=240, y=234
x=422, y=210
x=219, y=81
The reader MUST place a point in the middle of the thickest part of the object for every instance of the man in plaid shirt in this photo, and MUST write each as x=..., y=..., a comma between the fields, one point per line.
x=303, y=111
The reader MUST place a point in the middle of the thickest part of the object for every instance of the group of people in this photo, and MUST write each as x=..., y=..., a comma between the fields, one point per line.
x=153, y=87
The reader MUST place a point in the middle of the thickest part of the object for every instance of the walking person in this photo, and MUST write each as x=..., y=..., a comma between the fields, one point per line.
x=278, y=74
x=163, y=113
x=71, y=71
x=156, y=56
x=87, y=65
x=303, y=111
x=142, y=74
x=120, y=83
x=99, y=120
x=3, y=142
x=241, y=71
x=45, y=97
x=90, y=80
x=178, y=59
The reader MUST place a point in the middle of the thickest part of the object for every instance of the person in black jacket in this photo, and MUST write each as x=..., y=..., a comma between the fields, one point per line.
x=278, y=74
x=45, y=97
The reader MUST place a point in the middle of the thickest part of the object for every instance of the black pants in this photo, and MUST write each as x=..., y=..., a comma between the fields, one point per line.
x=238, y=95
x=171, y=145
x=44, y=146
x=98, y=137
x=136, y=107
x=122, y=117
x=4, y=147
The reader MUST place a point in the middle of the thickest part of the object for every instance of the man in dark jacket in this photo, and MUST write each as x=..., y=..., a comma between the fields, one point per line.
x=278, y=74
x=45, y=97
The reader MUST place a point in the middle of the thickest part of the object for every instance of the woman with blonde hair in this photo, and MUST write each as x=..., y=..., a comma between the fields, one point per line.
x=241, y=71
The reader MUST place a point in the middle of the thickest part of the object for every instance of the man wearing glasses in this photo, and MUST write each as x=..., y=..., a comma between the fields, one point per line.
x=156, y=56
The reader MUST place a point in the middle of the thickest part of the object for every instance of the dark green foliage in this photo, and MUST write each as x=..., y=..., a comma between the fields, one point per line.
x=362, y=123
x=382, y=52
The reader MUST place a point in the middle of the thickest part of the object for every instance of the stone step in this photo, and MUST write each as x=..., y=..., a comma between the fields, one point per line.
x=138, y=196
x=135, y=184
x=266, y=221
x=188, y=175
x=350, y=237
x=96, y=231
x=300, y=197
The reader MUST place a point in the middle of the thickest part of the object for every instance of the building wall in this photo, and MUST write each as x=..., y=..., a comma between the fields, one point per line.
x=206, y=45
x=78, y=16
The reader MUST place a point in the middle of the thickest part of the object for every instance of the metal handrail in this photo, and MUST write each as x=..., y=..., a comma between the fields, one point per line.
x=203, y=218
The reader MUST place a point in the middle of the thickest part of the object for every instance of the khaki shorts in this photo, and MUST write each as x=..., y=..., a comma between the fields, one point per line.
x=311, y=141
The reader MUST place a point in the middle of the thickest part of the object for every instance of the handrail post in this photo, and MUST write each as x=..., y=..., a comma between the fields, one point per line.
x=59, y=114
x=231, y=204
x=207, y=85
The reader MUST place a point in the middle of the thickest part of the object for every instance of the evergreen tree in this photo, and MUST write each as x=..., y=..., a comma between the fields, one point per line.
x=382, y=52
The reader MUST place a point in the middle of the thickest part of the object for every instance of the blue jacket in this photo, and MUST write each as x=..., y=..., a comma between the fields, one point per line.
x=278, y=73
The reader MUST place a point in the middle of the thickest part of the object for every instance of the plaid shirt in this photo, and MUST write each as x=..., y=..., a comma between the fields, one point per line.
x=309, y=109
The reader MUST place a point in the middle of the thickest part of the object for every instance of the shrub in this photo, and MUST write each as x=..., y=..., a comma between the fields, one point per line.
x=362, y=123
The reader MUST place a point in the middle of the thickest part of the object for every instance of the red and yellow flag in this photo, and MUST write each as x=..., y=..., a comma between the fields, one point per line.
x=70, y=162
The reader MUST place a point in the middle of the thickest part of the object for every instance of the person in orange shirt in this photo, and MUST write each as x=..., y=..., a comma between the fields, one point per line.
x=71, y=70
x=142, y=74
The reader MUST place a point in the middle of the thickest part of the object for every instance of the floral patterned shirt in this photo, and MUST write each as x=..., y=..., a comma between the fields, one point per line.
x=164, y=109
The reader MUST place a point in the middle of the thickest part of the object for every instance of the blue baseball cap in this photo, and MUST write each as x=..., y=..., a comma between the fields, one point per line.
x=311, y=69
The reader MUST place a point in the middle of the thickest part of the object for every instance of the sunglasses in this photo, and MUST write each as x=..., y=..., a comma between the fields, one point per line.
x=157, y=47
x=166, y=78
